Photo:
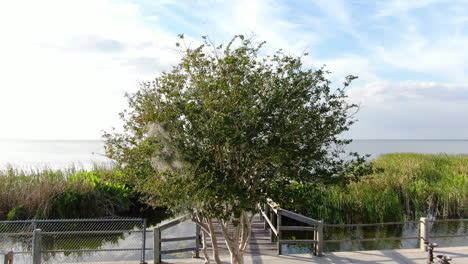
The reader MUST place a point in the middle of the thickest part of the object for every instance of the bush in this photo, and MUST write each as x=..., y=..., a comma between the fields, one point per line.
x=17, y=213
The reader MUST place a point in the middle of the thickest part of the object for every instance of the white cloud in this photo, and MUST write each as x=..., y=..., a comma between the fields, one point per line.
x=399, y=7
x=66, y=65
x=421, y=110
x=381, y=92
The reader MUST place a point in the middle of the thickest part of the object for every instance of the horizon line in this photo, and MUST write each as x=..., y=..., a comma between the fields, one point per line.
x=357, y=139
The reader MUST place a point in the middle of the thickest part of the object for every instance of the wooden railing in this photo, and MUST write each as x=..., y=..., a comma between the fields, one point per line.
x=158, y=240
x=424, y=234
x=273, y=215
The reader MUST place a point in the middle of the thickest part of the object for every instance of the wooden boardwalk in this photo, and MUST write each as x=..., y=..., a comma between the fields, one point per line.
x=398, y=256
x=259, y=241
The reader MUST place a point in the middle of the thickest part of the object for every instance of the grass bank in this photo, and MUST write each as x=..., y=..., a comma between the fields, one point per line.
x=72, y=193
x=403, y=186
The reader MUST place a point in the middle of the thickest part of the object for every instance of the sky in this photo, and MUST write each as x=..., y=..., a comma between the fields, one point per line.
x=66, y=65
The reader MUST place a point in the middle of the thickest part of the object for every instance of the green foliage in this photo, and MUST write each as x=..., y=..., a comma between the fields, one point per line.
x=225, y=124
x=17, y=213
x=401, y=185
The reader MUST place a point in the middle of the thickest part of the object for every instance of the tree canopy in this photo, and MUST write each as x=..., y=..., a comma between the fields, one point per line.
x=226, y=124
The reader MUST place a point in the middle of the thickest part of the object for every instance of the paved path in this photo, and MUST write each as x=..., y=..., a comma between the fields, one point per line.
x=400, y=256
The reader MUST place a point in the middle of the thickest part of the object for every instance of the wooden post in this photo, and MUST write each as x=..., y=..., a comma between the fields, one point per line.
x=156, y=245
x=320, y=239
x=36, y=247
x=273, y=222
x=267, y=212
x=9, y=258
x=278, y=228
x=314, y=246
x=197, y=241
x=424, y=233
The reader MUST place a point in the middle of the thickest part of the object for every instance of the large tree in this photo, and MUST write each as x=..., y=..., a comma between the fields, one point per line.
x=212, y=136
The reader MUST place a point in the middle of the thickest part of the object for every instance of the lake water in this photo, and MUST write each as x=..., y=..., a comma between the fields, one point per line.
x=83, y=153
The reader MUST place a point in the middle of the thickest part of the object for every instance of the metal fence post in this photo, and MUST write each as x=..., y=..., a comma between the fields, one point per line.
x=197, y=241
x=36, y=246
x=157, y=245
x=143, y=246
x=320, y=239
x=424, y=233
x=278, y=228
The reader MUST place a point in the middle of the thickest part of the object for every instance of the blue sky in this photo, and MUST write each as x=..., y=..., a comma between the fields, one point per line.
x=65, y=65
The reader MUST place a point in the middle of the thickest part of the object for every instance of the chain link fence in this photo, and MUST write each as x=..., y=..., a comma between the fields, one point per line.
x=74, y=241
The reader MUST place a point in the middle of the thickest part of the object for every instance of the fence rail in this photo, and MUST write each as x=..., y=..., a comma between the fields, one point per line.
x=36, y=234
x=39, y=240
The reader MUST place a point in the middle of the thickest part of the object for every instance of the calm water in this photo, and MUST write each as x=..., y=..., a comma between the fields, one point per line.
x=51, y=153
x=66, y=153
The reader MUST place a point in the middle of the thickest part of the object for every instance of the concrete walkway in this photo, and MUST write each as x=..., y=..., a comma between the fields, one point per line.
x=400, y=256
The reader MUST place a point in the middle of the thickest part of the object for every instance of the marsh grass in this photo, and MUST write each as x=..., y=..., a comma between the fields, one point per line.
x=72, y=192
x=403, y=186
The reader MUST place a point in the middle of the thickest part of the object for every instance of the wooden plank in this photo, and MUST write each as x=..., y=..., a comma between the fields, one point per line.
x=298, y=228
x=259, y=243
x=174, y=222
x=171, y=251
x=298, y=217
x=298, y=241
x=269, y=223
x=172, y=239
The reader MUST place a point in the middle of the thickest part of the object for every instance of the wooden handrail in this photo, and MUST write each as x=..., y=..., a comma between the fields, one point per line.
x=265, y=216
x=298, y=217
x=314, y=226
x=273, y=205
x=157, y=239
x=174, y=222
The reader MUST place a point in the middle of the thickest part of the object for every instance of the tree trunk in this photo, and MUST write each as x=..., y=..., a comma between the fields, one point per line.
x=214, y=241
x=205, y=247
x=238, y=242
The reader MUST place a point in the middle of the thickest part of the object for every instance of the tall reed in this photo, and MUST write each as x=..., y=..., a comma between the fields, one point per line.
x=73, y=192
x=404, y=186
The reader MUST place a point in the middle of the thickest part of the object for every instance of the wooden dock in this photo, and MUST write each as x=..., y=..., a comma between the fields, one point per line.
x=259, y=244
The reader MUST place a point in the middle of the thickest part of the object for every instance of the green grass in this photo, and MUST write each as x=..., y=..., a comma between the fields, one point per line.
x=403, y=186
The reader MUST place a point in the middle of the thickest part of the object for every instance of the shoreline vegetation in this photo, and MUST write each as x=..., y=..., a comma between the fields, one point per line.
x=74, y=192
x=402, y=186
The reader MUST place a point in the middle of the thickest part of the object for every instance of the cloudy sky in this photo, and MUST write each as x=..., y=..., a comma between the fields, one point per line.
x=65, y=65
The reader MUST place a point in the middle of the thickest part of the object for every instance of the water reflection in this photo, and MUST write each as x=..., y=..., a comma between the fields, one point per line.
x=388, y=231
